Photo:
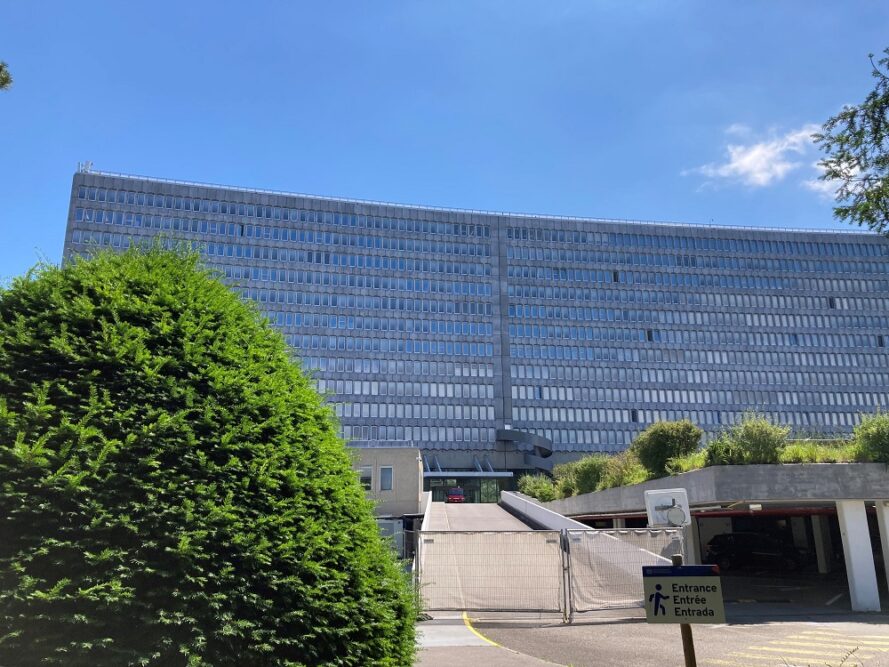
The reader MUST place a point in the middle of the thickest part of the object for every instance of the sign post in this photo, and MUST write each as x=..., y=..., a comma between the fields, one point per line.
x=685, y=595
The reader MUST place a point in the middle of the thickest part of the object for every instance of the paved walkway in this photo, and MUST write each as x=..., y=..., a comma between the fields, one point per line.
x=471, y=516
x=448, y=640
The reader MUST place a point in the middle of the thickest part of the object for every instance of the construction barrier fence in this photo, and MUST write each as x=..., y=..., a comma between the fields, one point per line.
x=563, y=571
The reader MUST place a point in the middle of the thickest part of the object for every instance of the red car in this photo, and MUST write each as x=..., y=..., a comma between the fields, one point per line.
x=455, y=495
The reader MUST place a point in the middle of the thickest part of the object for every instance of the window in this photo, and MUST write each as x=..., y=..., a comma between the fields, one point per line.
x=385, y=478
x=365, y=476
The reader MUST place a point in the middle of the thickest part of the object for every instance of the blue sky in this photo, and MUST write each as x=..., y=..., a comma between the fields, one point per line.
x=685, y=111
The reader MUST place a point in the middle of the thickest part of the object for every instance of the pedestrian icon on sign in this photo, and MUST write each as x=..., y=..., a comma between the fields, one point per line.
x=655, y=598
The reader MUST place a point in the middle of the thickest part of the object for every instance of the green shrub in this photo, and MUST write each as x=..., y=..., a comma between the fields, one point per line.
x=622, y=470
x=807, y=451
x=588, y=472
x=663, y=441
x=687, y=463
x=565, y=487
x=752, y=440
x=537, y=486
x=872, y=437
x=172, y=487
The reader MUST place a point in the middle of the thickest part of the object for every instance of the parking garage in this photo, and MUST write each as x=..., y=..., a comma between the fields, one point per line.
x=818, y=531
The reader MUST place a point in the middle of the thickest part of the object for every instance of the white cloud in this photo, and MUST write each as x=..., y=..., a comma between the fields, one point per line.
x=824, y=189
x=762, y=163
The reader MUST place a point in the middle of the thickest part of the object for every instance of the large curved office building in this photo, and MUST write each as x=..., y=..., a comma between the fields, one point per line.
x=490, y=339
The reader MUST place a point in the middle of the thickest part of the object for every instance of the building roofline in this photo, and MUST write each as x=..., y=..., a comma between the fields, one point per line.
x=446, y=209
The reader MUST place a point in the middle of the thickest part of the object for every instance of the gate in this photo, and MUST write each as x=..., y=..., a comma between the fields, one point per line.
x=563, y=571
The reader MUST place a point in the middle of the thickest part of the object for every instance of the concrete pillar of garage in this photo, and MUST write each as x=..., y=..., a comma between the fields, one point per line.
x=618, y=522
x=692, y=543
x=823, y=543
x=859, y=558
x=883, y=522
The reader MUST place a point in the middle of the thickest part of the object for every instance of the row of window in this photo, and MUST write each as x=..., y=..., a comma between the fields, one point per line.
x=703, y=318
x=362, y=301
x=697, y=376
x=479, y=413
x=674, y=396
x=331, y=321
x=693, y=337
x=390, y=367
x=565, y=255
x=404, y=265
x=674, y=241
x=383, y=345
x=793, y=302
x=722, y=357
x=673, y=279
x=203, y=227
x=440, y=437
x=612, y=434
x=418, y=389
x=244, y=209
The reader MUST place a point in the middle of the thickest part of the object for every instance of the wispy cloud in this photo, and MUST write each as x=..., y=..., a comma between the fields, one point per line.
x=759, y=164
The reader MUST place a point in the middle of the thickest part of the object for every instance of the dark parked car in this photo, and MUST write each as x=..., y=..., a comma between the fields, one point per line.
x=455, y=495
x=731, y=550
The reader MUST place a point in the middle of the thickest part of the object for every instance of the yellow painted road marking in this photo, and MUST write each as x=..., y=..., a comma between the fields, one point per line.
x=468, y=623
x=835, y=633
x=478, y=634
x=772, y=658
x=827, y=643
x=811, y=654
x=717, y=661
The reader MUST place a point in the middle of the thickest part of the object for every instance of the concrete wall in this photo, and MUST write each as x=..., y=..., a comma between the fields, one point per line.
x=727, y=484
x=528, y=508
x=406, y=495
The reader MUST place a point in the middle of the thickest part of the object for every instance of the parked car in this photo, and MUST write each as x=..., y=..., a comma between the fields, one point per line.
x=733, y=550
x=455, y=495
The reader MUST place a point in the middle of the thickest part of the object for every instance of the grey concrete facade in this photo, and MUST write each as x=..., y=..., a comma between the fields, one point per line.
x=438, y=327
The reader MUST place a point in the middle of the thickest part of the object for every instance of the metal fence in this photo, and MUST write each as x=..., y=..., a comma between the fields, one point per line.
x=564, y=571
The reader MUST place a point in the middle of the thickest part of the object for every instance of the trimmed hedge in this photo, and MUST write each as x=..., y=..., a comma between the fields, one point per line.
x=172, y=489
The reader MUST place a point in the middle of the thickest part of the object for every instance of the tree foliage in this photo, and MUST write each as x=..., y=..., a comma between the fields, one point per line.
x=5, y=76
x=663, y=441
x=856, y=142
x=172, y=489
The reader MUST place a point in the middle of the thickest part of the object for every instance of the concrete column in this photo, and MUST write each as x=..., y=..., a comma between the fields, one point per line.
x=618, y=522
x=859, y=558
x=883, y=522
x=798, y=530
x=692, y=543
x=823, y=543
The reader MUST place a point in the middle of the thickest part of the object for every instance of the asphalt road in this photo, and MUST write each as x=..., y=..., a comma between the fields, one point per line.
x=803, y=641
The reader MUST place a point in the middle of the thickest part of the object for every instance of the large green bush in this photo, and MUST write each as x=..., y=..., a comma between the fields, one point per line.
x=754, y=439
x=172, y=489
x=663, y=441
x=537, y=486
x=588, y=472
x=622, y=469
x=872, y=437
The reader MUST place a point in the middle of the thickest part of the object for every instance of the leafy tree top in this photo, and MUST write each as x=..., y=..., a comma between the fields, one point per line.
x=856, y=143
x=172, y=488
x=5, y=76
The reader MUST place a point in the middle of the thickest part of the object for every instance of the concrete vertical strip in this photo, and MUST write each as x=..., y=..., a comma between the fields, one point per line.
x=883, y=522
x=499, y=234
x=859, y=557
x=823, y=544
